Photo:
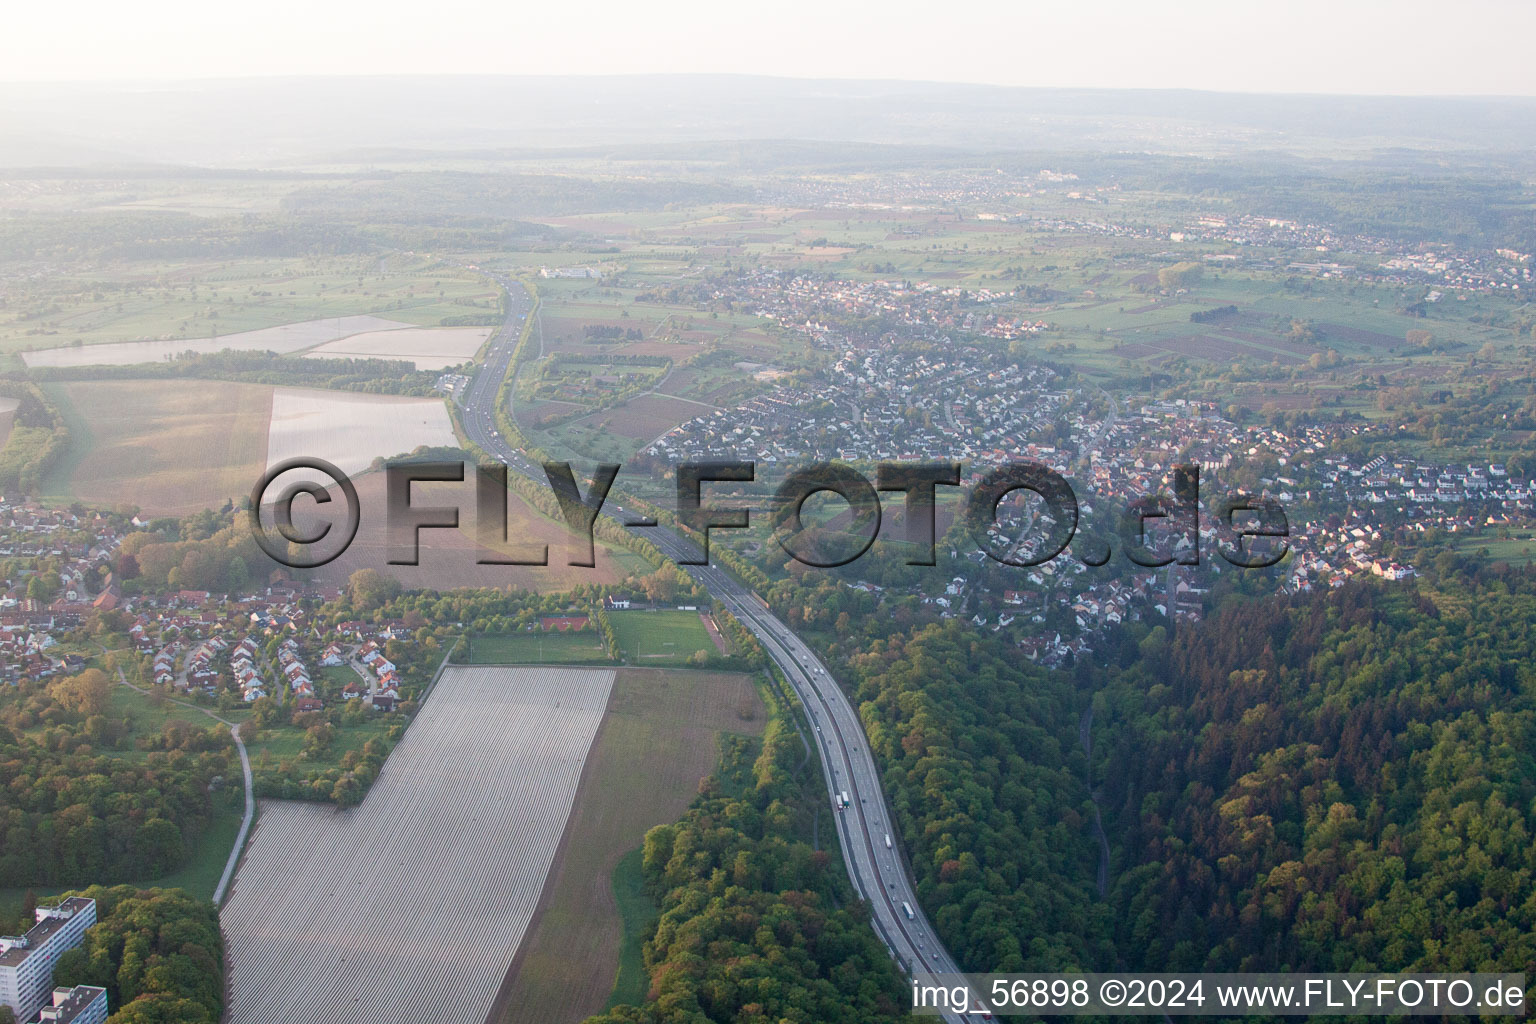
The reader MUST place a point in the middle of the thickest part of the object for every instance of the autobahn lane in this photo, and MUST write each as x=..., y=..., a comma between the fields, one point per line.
x=877, y=872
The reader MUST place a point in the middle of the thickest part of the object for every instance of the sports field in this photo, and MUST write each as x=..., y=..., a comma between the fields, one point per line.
x=536, y=647
x=664, y=637
x=659, y=738
x=408, y=908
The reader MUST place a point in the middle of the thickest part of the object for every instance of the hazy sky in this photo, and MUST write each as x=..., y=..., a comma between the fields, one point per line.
x=1349, y=46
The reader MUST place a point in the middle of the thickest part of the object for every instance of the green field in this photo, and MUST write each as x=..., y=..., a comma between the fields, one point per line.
x=660, y=736
x=1517, y=550
x=537, y=648
x=660, y=637
x=639, y=912
x=276, y=743
x=200, y=299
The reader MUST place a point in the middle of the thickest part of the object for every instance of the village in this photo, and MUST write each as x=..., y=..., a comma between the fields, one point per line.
x=232, y=649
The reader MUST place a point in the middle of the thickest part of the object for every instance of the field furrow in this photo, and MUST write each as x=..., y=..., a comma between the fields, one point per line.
x=410, y=907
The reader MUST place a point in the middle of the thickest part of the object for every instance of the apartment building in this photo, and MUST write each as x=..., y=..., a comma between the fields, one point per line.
x=26, y=961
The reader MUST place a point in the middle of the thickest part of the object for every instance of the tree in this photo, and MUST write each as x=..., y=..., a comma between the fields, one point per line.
x=28, y=911
x=89, y=693
x=1180, y=275
x=317, y=740
x=41, y=588
x=367, y=589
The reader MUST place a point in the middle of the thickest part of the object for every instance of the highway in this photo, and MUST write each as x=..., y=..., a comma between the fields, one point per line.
x=877, y=871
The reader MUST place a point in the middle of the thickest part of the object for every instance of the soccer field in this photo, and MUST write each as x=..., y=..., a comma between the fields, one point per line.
x=658, y=638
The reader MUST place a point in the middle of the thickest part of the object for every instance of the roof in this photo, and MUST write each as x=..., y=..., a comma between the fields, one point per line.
x=45, y=929
x=78, y=999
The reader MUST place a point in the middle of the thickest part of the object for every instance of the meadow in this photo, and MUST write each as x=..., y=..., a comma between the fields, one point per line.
x=181, y=301
x=659, y=737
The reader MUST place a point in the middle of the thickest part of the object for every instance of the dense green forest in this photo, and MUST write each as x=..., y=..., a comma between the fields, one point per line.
x=986, y=777
x=1346, y=783
x=158, y=953
x=755, y=923
x=72, y=814
x=1341, y=782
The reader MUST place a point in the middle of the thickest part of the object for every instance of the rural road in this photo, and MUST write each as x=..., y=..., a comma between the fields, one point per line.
x=877, y=872
x=250, y=790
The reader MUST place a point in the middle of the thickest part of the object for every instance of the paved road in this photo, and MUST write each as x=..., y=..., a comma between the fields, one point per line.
x=245, y=823
x=250, y=789
x=877, y=871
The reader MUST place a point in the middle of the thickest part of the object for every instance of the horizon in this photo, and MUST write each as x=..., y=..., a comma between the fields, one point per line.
x=1367, y=48
x=180, y=83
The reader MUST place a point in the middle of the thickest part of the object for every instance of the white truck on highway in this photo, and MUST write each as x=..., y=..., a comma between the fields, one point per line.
x=906, y=908
x=887, y=840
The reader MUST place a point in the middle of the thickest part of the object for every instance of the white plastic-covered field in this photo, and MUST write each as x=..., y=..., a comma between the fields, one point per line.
x=408, y=908
x=430, y=348
x=282, y=339
x=350, y=429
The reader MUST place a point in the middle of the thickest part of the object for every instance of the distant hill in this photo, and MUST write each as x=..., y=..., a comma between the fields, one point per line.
x=303, y=121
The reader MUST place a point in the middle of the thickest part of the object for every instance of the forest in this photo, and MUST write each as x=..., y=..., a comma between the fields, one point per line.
x=74, y=814
x=158, y=953
x=755, y=923
x=1338, y=784
x=1334, y=782
x=371, y=376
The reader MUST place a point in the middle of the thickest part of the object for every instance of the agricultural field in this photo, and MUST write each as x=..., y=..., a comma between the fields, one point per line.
x=660, y=736
x=449, y=558
x=283, y=339
x=408, y=908
x=590, y=325
x=660, y=637
x=350, y=430
x=180, y=302
x=429, y=348
x=172, y=447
